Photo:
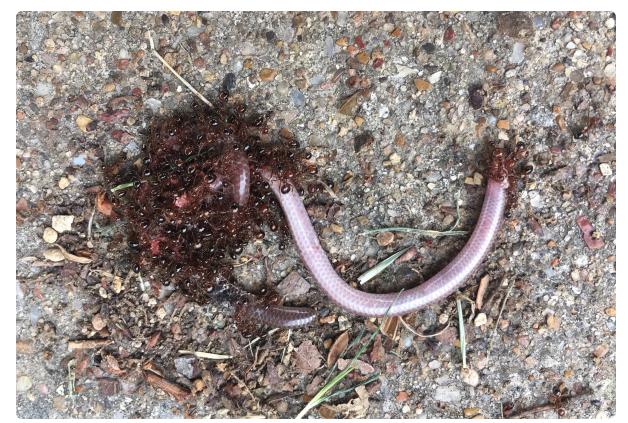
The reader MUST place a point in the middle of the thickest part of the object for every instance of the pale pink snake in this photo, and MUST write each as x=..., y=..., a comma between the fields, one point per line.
x=362, y=303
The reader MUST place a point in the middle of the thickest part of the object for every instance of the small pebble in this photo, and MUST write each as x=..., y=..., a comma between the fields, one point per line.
x=560, y=120
x=469, y=412
x=605, y=169
x=558, y=67
x=422, y=85
x=62, y=223
x=517, y=53
x=470, y=377
x=610, y=23
x=282, y=87
x=24, y=383
x=267, y=74
x=298, y=99
x=64, y=182
x=480, y=319
x=385, y=238
x=50, y=235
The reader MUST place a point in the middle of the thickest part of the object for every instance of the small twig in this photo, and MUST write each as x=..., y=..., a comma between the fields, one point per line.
x=89, y=344
x=243, y=263
x=284, y=348
x=426, y=232
x=490, y=346
x=175, y=390
x=548, y=407
x=246, y=388
x=418, y=334
x=37, y=279
x=486, y=305
x=199, y=95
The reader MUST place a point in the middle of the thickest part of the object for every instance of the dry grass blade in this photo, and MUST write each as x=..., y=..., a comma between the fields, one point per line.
x=418, y=334
x=379, y=268
x=199, y=95
x=209, y=356
x=329, y=190
x=424, y=232
x=490, y=346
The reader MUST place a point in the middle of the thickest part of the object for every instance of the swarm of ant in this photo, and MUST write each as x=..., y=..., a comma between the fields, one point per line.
x=188, y=216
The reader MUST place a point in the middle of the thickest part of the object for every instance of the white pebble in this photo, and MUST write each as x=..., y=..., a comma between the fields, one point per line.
x=62, y=223
x=610, y=23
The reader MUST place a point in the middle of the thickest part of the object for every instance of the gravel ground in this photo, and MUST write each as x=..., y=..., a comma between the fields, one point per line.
x=397, y=110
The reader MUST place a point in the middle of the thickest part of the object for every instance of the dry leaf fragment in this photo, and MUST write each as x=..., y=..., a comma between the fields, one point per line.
x=104, y=206
x=361, y=366
x=152, y=341
x=390, y=326
x=307, y=357
x=340, y=344
x=358, y=405
x=113, y=367
x=378, y=349
x=347, y=105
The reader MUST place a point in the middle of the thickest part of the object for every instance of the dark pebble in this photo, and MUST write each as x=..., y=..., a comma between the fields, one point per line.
x=270, y=36
x=229, y=83
x=431, y=69
x=515, y=24
x=165, y=20
x=116, y=18
x=429, y=48
x=449, y=35
x=597, y=403
x=323, y=312
x=477, y=98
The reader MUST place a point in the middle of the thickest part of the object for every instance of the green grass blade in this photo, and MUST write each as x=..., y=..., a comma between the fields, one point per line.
x=463, y=336
x=319, y=397
x=379, y=268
